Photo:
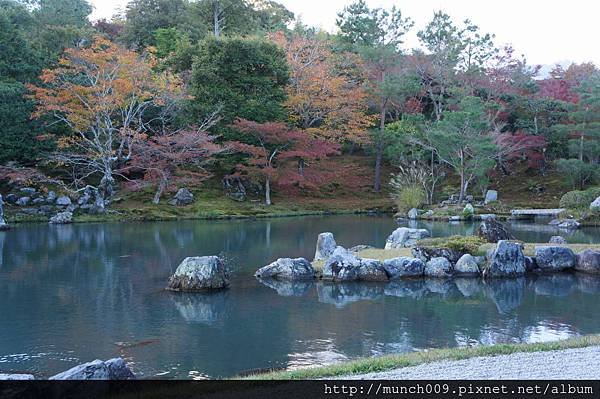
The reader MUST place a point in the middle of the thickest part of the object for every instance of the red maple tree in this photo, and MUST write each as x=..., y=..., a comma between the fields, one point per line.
x=272, y=147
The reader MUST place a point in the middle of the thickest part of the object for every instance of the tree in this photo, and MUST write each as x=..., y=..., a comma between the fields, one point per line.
x=376, y=34
x=274, y=145
x=462, y=141
x=101, y=93
x=144, y=17
x=243, y=78
x=163, y=156
x=323, y=97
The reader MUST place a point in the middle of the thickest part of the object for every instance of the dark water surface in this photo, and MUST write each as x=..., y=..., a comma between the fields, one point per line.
x=71, y=294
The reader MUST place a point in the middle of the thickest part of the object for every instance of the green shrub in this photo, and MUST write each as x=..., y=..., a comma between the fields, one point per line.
x=577, y=173
x=579, y=199
x=409, y=197
x=462, y=244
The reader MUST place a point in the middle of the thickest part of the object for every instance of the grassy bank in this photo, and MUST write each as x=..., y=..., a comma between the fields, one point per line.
x=390, y=362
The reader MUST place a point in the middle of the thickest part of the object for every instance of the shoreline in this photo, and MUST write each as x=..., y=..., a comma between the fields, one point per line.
x=363, y=366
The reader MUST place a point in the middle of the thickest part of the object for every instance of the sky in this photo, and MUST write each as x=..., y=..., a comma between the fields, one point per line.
x=545, y=31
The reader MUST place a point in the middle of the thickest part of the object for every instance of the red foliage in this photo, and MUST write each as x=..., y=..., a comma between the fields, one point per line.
x=520, y=145
x=279, y=154
x=162, y=158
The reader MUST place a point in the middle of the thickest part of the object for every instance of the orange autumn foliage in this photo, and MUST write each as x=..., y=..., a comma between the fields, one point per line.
x=326, y=95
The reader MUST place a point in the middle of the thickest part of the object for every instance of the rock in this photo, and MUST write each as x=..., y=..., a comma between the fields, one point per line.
x=46, y=209
x=405, y=237
x=469, y=198
x=588, y=261
x=287, y=269
x=557, y=240
x=490, y=196
x=428, y=253
x=454, y=218
x=51, y=197
x=530, y=264
x=467, y=265
x=468, y=211
x=506, y=260
x=11, y=198
x=403, y=267
x=183, y=197
x=38, y=200
x=595, y=205
x=371, y=270
x=554, y=259
x=16, y=377
x=485, y=216
x=63, y=200
x=23, y=201
x=569, y=224
x=427, y=214
x=3, y=224
x=555, y=222
x=342, y=265
x=493, y=231
x=413, y=214
x=113, y=369
x=360, y=247
x=99, y=206
x=199, y=273
x=28, y=191
x=325, y=246
x=62, y=218
x=438, y=267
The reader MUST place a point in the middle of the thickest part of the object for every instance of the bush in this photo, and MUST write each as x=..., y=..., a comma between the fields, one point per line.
x=579, y=199
x=462, y=244
x=409, y=197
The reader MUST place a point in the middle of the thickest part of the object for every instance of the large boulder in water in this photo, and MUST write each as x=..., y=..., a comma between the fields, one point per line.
x=342, y=265
x=199, y=273
x=287, y=269
x=466, y=265
x=325, y=246
x=506, y=260
x=403, y=267
x=371, y=270
x=438, y=267
x=554, y=259
x=588, y=261
x=493, y=231
x=16, y=377
x=113, y=369
x=405, y=237
x=413, y=214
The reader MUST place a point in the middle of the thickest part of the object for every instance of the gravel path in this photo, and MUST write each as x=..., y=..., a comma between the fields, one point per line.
x=580, y=363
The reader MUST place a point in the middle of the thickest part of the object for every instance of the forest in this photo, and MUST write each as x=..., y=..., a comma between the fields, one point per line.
x=242, y=96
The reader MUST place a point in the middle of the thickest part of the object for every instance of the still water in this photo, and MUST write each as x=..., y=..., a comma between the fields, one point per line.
x=74, y=293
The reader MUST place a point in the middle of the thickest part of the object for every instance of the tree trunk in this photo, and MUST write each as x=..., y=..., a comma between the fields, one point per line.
x=161, y=187
x=301, y=167
x=462, y=179
x=268, y=191
x=379, y=148
x=216, y=22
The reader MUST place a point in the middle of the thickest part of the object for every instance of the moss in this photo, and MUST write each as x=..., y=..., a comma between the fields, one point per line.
x=390, y=362
x=462, y=244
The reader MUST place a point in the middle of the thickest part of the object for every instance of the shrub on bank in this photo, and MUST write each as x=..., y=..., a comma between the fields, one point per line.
x=462, y=244
x=579, y=199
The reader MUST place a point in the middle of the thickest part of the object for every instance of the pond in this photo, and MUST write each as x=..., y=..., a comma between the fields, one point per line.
x=74, y=293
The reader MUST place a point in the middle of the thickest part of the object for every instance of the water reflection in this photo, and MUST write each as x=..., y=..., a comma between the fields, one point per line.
x=288, y=288
x=69, y=293
x=205, y=308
